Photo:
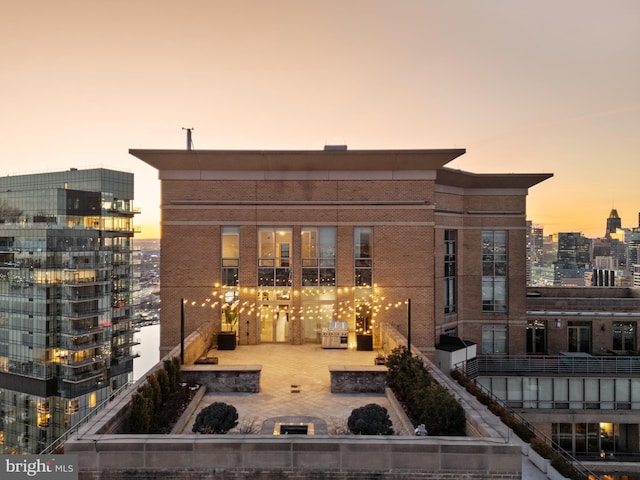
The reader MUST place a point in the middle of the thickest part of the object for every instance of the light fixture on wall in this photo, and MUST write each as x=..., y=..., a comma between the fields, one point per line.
x=558, y=323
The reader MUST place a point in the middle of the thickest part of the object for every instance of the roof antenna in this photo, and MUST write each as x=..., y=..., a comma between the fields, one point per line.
x=189, y=141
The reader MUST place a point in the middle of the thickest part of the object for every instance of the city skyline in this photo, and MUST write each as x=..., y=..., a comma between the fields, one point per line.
x=540, y=87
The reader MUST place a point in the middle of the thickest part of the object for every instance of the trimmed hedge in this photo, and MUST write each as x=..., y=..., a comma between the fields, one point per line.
x=217, y=418
x=372, y=419
x=424, y=400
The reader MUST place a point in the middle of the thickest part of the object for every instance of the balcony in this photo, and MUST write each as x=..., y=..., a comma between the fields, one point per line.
x=77, y=343
x=570, y=364
x=79, y=315
x=80, y=377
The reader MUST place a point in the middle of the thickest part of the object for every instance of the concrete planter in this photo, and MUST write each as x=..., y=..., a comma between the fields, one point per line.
x=181, y=424
x=542, y=463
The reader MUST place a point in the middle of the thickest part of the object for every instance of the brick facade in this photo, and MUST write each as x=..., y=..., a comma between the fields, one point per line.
x=407, y=197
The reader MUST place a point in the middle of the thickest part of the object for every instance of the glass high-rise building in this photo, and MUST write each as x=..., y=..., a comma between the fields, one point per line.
x=66, y=310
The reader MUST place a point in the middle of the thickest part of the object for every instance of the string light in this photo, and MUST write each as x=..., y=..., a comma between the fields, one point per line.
x=365, y=307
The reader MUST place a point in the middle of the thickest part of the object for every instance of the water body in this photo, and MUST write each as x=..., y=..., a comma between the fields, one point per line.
x=149, y=349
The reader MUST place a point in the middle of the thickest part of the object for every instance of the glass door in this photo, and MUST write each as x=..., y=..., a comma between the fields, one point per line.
x=274, y=323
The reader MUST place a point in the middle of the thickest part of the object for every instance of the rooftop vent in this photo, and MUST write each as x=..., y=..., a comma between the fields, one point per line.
x=333, y=148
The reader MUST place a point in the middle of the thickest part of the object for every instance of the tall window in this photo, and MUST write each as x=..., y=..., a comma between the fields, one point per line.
x=494, y=271
x=274, y=257
x=494, y=339
x=363, y=254
x=624, y=336
x=579, y=336
x=318, y=256
x=536, y=336
x=230, y=260
x=450, y=271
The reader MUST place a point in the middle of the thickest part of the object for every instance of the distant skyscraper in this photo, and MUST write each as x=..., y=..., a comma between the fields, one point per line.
x=613, y=222
x=573, y=249
x=573, y=258
x=65, y=300
x=632, y=245
x=535, y=248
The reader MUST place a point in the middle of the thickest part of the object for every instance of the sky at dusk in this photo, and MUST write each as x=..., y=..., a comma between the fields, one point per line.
x=524, y=86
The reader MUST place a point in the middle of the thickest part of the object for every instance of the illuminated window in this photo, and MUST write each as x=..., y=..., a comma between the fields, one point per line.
x=318, y=256
x=73, y=406
x=92, y=400
x=43, y=414
x=274, y=257
x=230, y=256
x=363, y=256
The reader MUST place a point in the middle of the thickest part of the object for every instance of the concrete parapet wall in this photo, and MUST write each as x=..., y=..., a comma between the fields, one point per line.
x=358, y=378
x=224, y=378
x=301, y=457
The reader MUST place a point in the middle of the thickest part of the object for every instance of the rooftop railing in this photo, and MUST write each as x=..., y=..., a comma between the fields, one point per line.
x=558, y=365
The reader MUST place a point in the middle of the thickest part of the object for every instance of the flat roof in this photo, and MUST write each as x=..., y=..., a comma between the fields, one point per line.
x=336, y=160
x=297, y=160
x=462, y=179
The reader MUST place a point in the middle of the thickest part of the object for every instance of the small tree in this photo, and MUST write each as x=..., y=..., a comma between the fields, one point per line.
x=172, y=367
x=156, y=392
x=372, y=419
x=163, y=381
x=219, y=417
x=141, y=411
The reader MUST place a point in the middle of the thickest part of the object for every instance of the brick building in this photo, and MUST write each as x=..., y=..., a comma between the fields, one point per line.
x=285, y=242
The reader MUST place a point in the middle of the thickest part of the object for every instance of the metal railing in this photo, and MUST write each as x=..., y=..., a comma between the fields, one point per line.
x=558, y=365
x=567, y=456
x=58, y=442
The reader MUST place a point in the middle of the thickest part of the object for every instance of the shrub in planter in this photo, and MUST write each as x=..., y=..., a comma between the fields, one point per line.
x=565, y=469
x=497, y=409
x=163, y=381
x=172, y=367
x=562, y=466
x=372, y=419
x=544, y=450
x=520, y=429
x=440, y=412
x=219, y=417
x=141, y=412
x=406, y=374
x=156, y=392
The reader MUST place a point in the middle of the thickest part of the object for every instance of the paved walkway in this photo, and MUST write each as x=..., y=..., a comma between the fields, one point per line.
x=295, y=383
